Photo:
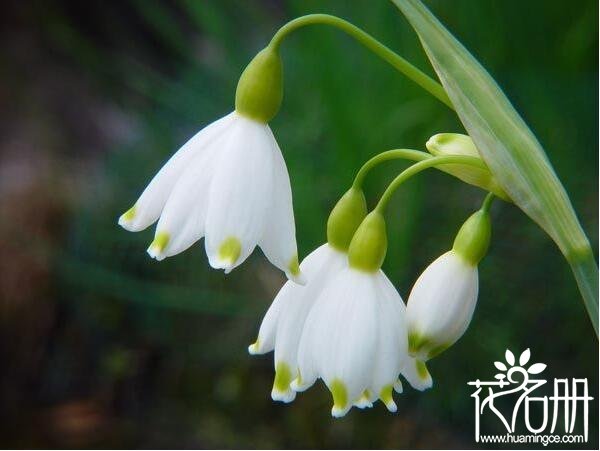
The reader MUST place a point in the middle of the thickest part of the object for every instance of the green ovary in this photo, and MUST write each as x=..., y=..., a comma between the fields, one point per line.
x=283, y=377
x=230, y=250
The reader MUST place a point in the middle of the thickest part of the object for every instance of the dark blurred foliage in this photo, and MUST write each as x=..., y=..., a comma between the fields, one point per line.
x=102, y=346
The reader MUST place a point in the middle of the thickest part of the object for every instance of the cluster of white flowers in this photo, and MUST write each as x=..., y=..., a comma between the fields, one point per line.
x=338, y=318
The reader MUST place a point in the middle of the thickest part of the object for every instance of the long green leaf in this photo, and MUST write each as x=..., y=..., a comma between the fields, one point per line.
x=511, y=150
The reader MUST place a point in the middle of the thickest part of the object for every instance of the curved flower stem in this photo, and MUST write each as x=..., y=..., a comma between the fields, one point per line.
x=406, y=154
x=487, y=202
x=421, y=166
x=399, y=63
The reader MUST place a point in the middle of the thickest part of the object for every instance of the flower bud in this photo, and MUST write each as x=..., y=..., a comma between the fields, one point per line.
x=369, y=245
x=345, y=218
x=260, y=88
x=458, y=144
x=443, y=299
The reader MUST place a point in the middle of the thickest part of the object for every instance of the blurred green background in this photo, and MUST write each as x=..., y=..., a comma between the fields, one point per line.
x=102, y=346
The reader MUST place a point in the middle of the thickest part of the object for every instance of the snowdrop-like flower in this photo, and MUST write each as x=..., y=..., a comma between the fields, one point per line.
x=283, y=323
x=442, y=301
x=354, y=337
x=228, y=183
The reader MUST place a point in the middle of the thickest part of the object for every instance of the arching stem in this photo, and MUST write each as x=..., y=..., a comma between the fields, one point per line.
x=395, y=60
x=421, y=166
x=394, y=154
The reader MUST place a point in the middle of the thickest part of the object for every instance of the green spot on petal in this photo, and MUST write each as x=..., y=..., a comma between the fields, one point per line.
x=422, y=369
x=294, y=266
x=283, y=377
x=424, y=347
x=386, y=394
x=230, y=250
x=339, y=393
x=160, y=241
x=129, y=214
x=254, y=346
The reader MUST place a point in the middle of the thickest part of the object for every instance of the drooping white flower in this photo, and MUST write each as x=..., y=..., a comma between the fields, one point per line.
x=441, y=304
x=283, y=323
x=229, y=184
x=443, y=299
x=354, y=337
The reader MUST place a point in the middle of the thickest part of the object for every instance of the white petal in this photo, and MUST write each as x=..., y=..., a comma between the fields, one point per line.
x=279, y=237
x=441, y=304
x=268, y=328
x=149, y=206
x=340, y=333
x=184, y=215
x=392, y=342
x=240, y=194
x=319, y=266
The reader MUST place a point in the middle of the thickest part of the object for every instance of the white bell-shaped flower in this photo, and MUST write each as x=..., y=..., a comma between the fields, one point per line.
x=443, y=299
x=283, y=323
x=354, y=337
x=441, y=305
x=229, y=184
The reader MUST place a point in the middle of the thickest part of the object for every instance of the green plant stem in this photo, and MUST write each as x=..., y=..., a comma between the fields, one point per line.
x=394, y=154
x=487, y=202
x=421, y=166
x=395, y=60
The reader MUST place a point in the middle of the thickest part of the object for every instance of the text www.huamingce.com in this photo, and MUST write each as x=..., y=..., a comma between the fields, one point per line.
x=531, y=438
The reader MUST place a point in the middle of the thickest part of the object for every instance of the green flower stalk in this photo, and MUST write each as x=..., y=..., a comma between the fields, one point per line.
x=379, y=49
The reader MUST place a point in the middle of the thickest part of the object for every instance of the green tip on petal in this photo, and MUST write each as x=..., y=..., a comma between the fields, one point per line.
x=364, y=401
x=230, y=250
x=386, y=396
x=161, y=239
x=422, y=371
x=127, y=216
x=254, y=347
x=283, y=377
x=294, y=266
x=424, y=348
x=340, y=395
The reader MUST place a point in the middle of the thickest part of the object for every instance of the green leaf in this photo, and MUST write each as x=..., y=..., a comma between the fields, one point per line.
x=510, y=149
